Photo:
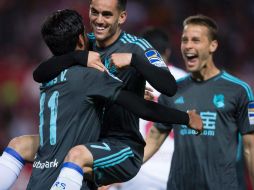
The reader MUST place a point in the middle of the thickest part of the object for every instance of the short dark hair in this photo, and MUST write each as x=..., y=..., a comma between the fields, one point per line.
x=203, y=21
x=122, y=5
x=61, y=31
x=157, y=38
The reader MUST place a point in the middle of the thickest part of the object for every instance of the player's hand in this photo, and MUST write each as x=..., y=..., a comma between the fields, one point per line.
x=104, y=187
x=149, y=94
x=94, y=61
x=121, y=60
x=113, y=186
x=195, y=122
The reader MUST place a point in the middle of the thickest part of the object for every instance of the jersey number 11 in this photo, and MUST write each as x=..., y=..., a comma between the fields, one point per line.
x=52, y=105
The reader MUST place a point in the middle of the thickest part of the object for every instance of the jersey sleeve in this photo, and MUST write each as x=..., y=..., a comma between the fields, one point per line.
x=151, y=66
x=49, y=69
x=149, y=54
x=163, y=126
x=245, y=111
x=103, y=85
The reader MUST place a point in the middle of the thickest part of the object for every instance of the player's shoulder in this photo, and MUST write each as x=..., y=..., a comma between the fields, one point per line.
x=143, y=48
x=186, y=79
x=135, y=42
x=236, y=83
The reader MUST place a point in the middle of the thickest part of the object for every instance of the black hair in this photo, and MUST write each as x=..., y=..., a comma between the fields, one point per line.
x=61, y=31
x=122, y=5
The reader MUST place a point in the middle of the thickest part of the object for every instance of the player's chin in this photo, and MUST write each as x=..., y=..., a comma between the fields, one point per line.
x=99, y=37
x=191, y=69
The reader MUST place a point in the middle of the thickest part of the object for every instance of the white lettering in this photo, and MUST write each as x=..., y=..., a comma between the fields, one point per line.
x=46, y=164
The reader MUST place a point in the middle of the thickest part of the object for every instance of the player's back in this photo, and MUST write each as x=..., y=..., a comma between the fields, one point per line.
x=70, y=109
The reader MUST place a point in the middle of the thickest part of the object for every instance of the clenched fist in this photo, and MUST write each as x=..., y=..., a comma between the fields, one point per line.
x=195, y=122
x=121, y=60
x=94, y=61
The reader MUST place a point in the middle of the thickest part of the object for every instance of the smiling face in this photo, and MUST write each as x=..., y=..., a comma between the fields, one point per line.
x=106, y=19
x=197, y=48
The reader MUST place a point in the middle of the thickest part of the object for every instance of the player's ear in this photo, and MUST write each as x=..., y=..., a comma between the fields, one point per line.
x=81, y=45
x=122, y=17
x=213, y=46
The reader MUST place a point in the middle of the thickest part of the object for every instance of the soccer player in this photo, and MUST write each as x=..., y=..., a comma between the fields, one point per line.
x=72, y=123
x=154, y=173
x=54, y=142
x=225, y=104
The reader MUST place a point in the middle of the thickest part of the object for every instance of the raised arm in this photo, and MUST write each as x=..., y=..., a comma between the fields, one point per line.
x=50, y=68
x=159, y=77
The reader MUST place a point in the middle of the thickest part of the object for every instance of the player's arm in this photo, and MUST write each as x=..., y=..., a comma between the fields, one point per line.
x=248, y=142
x=50, y=68
x=161, y=79
x=107, y=87
x=154, y=140
x=155, y=112
x=245, y=122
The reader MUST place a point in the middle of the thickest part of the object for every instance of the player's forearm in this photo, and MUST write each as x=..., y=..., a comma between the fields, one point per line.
x=50, y=68
x=154, y=140
x=151, y=111
x=161, y=79
x=250, y=165
x=249, y=155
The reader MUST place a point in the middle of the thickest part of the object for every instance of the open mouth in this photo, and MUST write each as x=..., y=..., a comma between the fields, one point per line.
x=99, y=29
x=191, y=59
x=191, y=56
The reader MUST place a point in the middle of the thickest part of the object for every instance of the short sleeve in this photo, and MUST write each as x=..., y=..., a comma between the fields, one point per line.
x=245, y=111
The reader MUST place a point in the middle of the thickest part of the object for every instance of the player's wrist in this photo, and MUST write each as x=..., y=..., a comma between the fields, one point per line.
x=188, y=119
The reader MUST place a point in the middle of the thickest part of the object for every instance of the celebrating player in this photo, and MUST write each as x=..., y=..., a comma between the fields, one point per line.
x=225, y=104
x=51, y=152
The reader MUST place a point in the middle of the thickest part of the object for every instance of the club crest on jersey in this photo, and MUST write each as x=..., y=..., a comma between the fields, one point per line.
x=251, y=112
x=155, y=58
x=111, y=68
x=218, y=100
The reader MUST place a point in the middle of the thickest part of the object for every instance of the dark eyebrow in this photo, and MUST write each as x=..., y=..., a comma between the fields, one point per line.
x=107, y=13
x=93, y=9
x=196, y=38
x=104, y=13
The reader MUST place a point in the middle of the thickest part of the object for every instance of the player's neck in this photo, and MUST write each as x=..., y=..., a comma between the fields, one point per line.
x=107, y=42
x=207, y=72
